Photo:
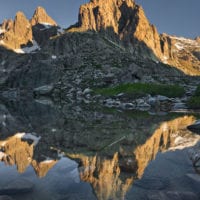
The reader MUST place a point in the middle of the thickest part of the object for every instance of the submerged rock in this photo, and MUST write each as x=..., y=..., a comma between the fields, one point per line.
x=195, y=127
x=4, y=197
x=18, y=186
x=175, y=195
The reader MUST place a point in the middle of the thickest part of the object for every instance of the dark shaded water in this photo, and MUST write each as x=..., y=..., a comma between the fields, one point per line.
x=71, y=151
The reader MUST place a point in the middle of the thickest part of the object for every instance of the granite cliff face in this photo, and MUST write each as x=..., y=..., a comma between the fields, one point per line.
x=128, y=21
x=19, y=33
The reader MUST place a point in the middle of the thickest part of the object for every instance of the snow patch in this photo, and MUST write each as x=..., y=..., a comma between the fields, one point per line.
x=47, y=161
x=46, y=25
x=29, y=136
x=165, y=59
x=53, y=57
x=2, y=42
x=2, y=155
x=20, y=51
x=184, y=142
x=179, y=46
x=2, y=30
x=60, y=31
x=31, y=49
x=19, y=135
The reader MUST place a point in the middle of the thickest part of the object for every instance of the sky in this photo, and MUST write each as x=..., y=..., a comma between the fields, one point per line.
x=175, y=17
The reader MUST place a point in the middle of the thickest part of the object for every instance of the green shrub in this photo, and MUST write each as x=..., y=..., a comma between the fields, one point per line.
x=194, y=102
x=197, y=92
x=142, y=89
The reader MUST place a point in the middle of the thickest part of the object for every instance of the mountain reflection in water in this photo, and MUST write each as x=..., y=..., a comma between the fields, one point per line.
x=110, y=167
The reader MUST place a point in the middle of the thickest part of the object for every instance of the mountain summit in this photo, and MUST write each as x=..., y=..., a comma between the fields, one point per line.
x=120, y=21
x=41, y=17
x=19, y=33
x=127, y=19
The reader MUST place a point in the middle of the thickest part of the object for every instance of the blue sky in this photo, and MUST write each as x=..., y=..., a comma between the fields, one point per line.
x=176, y=17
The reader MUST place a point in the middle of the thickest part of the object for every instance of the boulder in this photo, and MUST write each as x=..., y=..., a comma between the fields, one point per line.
x=44, y=90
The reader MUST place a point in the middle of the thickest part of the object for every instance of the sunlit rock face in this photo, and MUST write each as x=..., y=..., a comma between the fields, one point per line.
x=17, y=32
x=107, y=175
x=169, y=136
x=128, y=20
x=104, y=175
x=41, y=17
x=42, y=168
x=19, y=150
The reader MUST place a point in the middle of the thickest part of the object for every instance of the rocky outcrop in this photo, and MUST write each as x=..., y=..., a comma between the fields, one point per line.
x=104, y=175
x=19, y=150
x=128, y=21
x=19, y=33
x=41, y=17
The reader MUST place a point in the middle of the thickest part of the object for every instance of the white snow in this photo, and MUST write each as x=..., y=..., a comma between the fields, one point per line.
x=2, y=42
x=60, y=31
x=46, y=25
x=2, y=30
x=20, y=51
x=184, y=42
x=31, y=49
x=3, y=144
x=184, y=142
x=53, y=57
x=2, y=155
x=31, y=137
x=179, y=46
x=47, y=161
x=19, y=135
x=165, y=58
x=28, y=136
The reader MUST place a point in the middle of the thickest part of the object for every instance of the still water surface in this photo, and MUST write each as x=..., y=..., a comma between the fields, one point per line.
x=88, y=152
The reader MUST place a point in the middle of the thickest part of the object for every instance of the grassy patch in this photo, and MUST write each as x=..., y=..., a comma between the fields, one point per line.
x=197, y=92
x=142, y=89
x=194, y=102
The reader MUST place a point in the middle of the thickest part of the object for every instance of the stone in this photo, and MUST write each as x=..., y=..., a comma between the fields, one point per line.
x=194, y=177
x=175, y=195
x=87, y=91
x=162, y=98
x=152, y=101
x=179, y=106
x=152, y=183
x=43, y=90
x=4, y=197
x=195, y=127
x=18, y=186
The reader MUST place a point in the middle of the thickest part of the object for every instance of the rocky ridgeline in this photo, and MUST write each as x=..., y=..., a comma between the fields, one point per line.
x=128, y=21
x=112, y=43
x=19, y=33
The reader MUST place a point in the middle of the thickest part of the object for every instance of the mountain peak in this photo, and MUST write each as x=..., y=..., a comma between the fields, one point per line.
x=97, y=15
x=40, y=16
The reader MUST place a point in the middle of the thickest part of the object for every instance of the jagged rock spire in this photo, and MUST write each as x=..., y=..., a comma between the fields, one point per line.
x=40, y=16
